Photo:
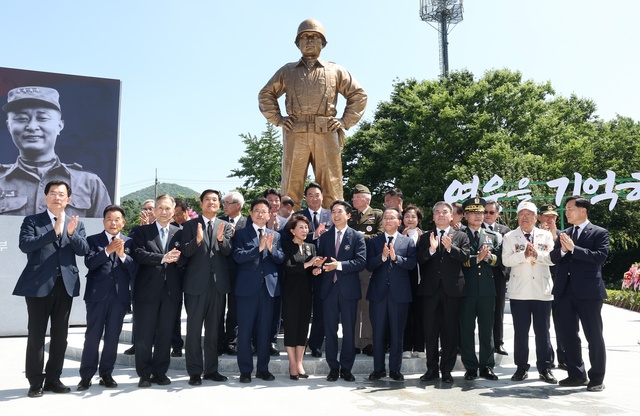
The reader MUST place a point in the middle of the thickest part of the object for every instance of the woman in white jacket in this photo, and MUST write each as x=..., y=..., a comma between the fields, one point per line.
x=526, y=251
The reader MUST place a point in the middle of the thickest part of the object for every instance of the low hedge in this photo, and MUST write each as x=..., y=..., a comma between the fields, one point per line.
x=628, y=299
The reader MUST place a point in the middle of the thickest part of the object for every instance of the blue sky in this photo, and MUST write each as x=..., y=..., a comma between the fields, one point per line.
x=191, y=70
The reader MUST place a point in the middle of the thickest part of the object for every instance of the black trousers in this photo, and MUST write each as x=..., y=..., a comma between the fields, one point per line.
x=55, y=306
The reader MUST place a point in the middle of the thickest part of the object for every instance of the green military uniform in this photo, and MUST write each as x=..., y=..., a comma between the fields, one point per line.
x=368, y=222
x=22, y=189
x=480, y=300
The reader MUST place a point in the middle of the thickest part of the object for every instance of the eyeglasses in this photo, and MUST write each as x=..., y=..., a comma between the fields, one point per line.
x=57, y=195
x=228, y=202
x=490, y=212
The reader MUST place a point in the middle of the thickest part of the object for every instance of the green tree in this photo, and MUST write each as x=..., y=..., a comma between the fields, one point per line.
x=261, y=166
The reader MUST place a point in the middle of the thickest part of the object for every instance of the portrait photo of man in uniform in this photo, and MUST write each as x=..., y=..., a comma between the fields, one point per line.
x=47, y=150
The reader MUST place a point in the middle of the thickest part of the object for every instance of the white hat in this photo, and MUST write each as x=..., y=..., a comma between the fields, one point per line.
x=527, y=205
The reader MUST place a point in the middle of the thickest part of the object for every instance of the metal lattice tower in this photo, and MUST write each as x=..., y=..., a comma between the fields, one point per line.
x=442, y=15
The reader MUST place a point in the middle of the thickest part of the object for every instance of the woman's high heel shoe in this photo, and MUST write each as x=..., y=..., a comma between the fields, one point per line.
x=294, y=376
x=303, y=375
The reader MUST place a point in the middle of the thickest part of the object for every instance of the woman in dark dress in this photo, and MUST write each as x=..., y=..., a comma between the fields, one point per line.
x=413, y=344
x=300, y=258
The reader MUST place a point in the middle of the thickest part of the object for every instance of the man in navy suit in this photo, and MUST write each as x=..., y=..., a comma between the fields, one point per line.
x=319, y=223
x=257, y=251
x=107, y=296
x=441, y=254
x=51, y=241
x=346, y=252
x=157, y=293
x=390, y=256
x=232, y=204
x=579, y=253
x=206, y=245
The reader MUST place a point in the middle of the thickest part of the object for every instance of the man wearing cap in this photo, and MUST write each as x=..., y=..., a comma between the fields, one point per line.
x=526, y=251
x=481, y=293
x=547, y=217
x=311, y=131
x=367, y=221
x=491, y=214
x=34, y=120
x=579, y=253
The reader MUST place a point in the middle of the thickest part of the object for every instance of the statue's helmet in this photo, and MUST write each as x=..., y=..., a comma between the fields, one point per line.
x=312, y=25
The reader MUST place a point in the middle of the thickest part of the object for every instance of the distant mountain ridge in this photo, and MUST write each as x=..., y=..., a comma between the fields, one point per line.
x=163, y=188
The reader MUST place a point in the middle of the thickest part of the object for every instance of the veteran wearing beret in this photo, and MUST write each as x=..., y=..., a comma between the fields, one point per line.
x=34, y=120
x=481, y=293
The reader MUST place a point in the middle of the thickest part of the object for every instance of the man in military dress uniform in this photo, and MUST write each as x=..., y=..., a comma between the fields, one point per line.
x=367, y=221
x=481, y=293
x=34, y=119
x=311, y=131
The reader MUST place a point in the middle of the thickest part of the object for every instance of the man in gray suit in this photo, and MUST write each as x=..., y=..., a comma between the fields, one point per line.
x=206, y=244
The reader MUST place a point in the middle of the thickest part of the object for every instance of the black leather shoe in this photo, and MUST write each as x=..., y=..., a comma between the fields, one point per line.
x=333, y=375
x=215, y=376
x=108, y=381
x=447, y=378
x=294, y=377
x=56, y=387
x=500, y=350
x=274, y=351
x=265, y=375
x=144, y=382
x=245, y=378
x=315, y=352
x=368, y=350
x=231, y=350
x=346, y=375
x=177, y=352
x=520, y=374
x=573, y=382
x=130, y=351
x=396, y=375
x=471, y=374
x=487, y=373
x=547, y=377
x=430, y=375
x=195, y=380
x=160, y=380
x=595, y=387
x=35, y=391
x=84, y=384
x=377, y=375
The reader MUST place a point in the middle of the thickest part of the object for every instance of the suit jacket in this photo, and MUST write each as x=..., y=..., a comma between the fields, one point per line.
x=106, y=272
x=352, y=255
x=201, y=266
x=46, y=253
x=445, y=267
x=478, y=277
x=325, y=216
x=255, y=266
x=528, y=281
x=152, y=273
x=241, y=223
x=584, y=264
x=391, y=276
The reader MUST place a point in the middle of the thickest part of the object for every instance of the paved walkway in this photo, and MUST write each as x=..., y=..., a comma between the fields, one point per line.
x=316, y=396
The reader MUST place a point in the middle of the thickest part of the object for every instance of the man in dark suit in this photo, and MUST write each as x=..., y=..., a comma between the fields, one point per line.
x=346, y=252
x=441, y=253
x=491, y=215
x=51, y=240
x=390, y=256
x=232, y=204
x=481, y=294
x=180, y=217
x=579, y=253
x=319, y=223
x=258, y=253
x=107, y=296
x=157, y=293
x=206, y=244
